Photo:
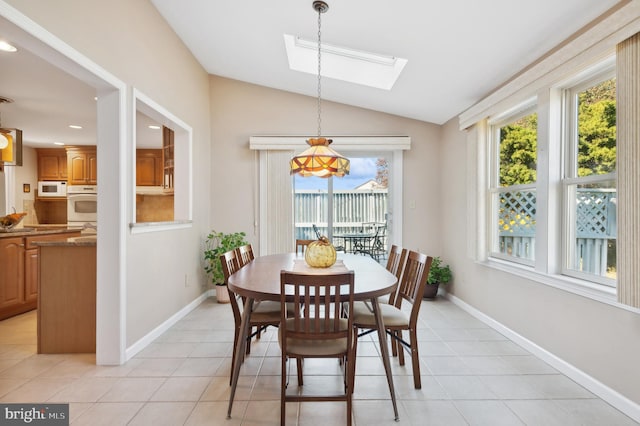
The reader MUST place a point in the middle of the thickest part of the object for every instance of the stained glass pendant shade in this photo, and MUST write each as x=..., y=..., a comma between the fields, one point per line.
x=319, y=159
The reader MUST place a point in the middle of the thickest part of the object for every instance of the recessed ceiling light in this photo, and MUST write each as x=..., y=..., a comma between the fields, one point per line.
x=75, y=126
x=343, y=63
x=6, y=47
x=58, y=143
x=154, y=127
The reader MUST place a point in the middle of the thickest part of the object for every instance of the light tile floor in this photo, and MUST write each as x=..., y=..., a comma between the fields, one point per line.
x=471, y=375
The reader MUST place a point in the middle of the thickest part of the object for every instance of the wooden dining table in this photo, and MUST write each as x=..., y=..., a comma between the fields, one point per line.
x=260, y=280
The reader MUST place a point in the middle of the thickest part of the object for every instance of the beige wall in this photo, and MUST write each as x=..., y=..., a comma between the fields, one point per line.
x=130, y=40
x=597, y=338
x=240, y=110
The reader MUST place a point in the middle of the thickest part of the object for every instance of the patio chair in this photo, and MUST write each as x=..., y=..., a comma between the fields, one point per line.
x=264, y=313
x=316, y=331
x=396, y=319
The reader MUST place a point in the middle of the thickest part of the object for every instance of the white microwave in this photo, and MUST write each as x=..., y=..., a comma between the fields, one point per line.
x=52, y=188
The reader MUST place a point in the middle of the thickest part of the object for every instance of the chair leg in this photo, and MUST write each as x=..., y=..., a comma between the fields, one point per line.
x=394, y=345
x=299, y=370
x=283, y=389
x=415, y=359
x=248, y=351
x=400, y=348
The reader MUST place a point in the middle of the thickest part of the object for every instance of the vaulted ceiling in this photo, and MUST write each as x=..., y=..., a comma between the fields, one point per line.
x=458, y=51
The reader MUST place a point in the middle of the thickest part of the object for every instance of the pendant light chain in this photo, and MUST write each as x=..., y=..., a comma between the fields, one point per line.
x=319, y=75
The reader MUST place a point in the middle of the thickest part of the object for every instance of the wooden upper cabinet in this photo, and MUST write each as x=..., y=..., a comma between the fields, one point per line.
x=168, y=138
x=52, y=163
x=149, y=167
x=82, y=166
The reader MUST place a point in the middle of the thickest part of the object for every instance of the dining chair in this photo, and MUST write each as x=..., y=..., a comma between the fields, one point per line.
x=301, y=245
x=264, y=313
x=316, y=329
x=396, y=319
x=244, y=254
x=395, y=264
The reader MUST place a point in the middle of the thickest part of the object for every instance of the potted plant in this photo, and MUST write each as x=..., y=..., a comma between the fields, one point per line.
x=438, y=274
x=216, y=244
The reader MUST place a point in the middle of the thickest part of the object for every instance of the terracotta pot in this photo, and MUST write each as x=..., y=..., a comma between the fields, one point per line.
x=431, y=291
x=222, y=294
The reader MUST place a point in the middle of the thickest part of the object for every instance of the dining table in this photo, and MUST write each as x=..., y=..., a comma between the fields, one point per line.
x=259, y=280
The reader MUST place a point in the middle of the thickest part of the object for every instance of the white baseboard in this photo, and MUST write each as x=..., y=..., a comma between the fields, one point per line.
x=609, y=395
x=142, y=343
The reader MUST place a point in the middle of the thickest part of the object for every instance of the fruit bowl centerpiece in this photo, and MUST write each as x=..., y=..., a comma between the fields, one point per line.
x=11, y=220
x=320, y=253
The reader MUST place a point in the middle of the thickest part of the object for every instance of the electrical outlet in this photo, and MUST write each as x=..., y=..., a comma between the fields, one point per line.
x=186, y=280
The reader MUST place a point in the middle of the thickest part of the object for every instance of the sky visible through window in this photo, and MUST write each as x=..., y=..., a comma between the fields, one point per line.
x=362, y=170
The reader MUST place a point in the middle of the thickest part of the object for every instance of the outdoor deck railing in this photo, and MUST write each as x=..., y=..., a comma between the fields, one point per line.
x=596, y=227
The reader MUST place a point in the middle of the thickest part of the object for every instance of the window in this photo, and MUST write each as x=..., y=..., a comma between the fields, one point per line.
x=513, y=186
x=162, y=167
x=589, y=181
x=575, y=185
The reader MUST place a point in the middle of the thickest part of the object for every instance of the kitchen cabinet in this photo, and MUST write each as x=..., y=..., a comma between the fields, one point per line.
x=11, y=277
x=67, y=298
x=82, y=166
x=149, y=167
x=167, y=158
x=52, y=163
x=19, y=271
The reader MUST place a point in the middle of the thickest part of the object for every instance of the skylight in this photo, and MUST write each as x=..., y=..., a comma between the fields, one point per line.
x=342, y=63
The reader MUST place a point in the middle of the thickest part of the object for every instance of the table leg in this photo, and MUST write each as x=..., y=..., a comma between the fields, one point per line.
x=239, y=355
x=382, y=337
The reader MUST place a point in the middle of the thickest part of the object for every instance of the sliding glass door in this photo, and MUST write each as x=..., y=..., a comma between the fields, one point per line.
x=355, y=204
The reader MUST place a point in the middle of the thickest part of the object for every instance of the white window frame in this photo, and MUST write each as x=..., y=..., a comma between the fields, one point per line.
x=494, y=124
x=602, y=71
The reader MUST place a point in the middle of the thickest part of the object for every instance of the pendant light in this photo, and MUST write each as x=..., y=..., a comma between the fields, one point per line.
x=319, y=159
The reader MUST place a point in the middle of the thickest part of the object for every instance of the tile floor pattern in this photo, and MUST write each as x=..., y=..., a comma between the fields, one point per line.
x=471, y=375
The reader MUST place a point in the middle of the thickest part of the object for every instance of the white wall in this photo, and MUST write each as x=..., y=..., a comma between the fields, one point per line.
x=130, y=40
x=240, y=110
x=600, y=339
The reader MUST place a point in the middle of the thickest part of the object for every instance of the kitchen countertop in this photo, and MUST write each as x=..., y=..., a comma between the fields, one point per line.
x=85, y=240
x=32, y=232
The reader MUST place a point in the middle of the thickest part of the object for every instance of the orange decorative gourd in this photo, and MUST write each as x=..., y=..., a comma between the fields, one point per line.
x=11, y=220
x=320, y=253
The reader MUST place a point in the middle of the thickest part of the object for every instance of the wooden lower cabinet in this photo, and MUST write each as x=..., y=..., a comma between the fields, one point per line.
x=12, y=294
x=67, y=299
x=19, y=272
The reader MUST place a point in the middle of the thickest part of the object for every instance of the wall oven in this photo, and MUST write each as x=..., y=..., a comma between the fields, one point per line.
x=82, y=205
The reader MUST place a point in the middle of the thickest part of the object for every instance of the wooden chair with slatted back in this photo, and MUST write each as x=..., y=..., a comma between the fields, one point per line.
x=301, y=245
x=264, y=313
x=245, y=254
x=396, y=320
x=316, y=329
x=395, y=264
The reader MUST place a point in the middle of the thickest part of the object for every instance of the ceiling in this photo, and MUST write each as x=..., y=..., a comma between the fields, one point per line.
x=457, y=51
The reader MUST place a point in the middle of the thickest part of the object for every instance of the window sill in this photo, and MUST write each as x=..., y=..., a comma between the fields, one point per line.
x=140, y=228
x=593, y=291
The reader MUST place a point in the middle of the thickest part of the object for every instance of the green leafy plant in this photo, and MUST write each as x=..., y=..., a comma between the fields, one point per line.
x=439, y=273
x=218, y=243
